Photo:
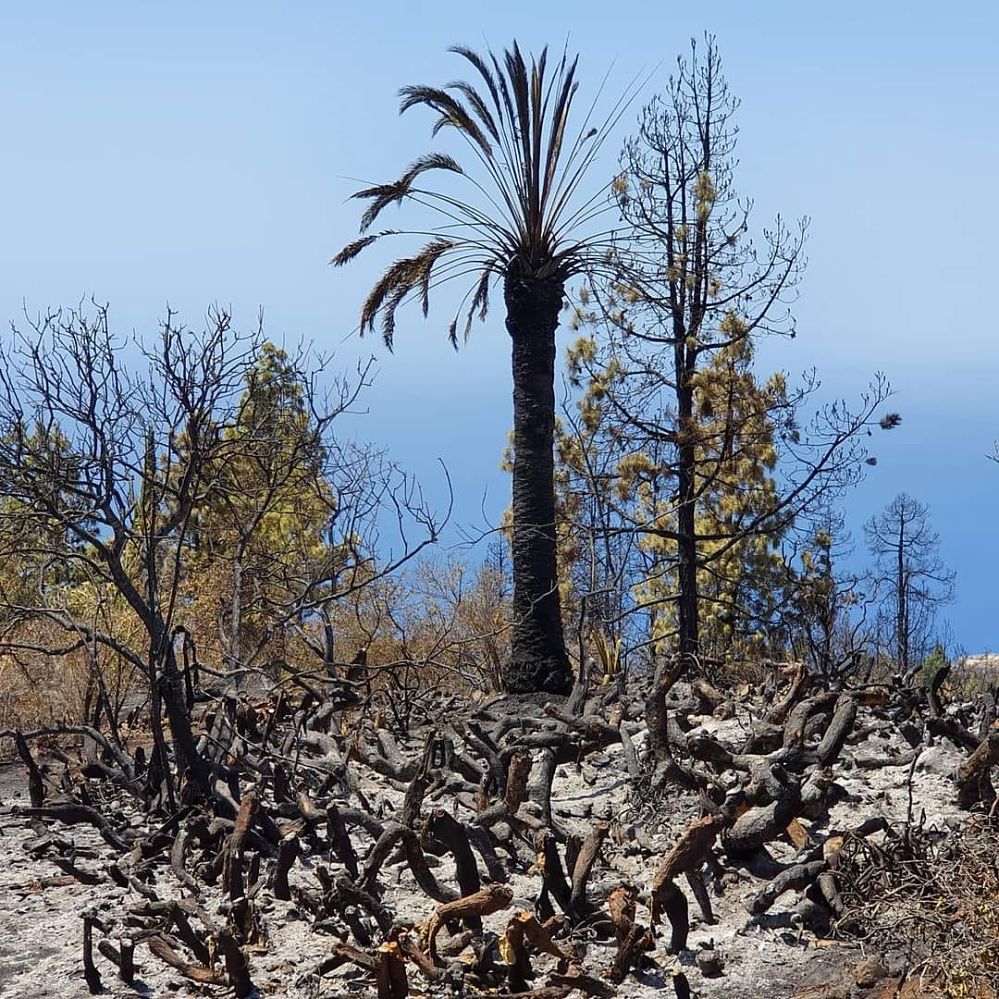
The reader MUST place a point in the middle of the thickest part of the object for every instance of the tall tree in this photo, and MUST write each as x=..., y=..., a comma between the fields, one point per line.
x=668, y=373
x=262, y=526
x=700, y=286
x=525, y=228
x=910, y=577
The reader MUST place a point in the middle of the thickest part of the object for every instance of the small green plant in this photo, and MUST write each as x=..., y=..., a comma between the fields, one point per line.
x=933, y=663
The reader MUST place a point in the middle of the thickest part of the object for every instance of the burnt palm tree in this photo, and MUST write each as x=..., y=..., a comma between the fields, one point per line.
x=523, y=225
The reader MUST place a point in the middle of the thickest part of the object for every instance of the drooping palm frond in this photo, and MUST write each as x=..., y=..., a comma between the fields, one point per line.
x=403, y=277
x=479, y=304
x=384, y=195
x=351, y=250
x=521, y=212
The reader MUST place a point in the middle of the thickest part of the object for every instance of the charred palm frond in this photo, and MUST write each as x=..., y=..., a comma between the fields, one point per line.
x=522, y=216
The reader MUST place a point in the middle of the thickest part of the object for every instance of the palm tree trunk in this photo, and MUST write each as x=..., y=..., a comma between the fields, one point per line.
x=539, y=661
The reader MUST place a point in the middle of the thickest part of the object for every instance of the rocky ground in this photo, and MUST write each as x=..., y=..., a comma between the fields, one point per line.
x=740, y=953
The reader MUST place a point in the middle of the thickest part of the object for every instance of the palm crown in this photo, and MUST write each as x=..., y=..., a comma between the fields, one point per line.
x=522, y=217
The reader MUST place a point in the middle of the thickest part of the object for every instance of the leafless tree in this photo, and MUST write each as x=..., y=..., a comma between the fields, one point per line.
x=909, y=576
x=111, y=450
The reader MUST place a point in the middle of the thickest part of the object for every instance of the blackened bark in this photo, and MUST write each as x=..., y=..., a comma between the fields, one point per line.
x=688, y=638
x=902, y=615
x=190, y=764
x=539, y=661
x=36, y=786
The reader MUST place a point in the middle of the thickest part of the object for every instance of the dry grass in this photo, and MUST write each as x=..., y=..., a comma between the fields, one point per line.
x=935, y=900
x=38, y=691
x=41, y=691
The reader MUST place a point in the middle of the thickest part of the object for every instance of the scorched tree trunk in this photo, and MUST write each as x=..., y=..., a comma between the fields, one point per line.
x=538, y=661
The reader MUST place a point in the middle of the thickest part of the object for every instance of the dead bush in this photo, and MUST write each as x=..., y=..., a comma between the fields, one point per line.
x=932, y=899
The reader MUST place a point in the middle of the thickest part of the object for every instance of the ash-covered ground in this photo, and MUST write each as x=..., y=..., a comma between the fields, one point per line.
x=769, y=954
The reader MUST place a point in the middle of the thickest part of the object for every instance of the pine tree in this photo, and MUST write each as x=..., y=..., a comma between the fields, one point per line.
x=735, y=456
x=824, y=617
x=668, y=380
x=261, y=530
x=910, y=578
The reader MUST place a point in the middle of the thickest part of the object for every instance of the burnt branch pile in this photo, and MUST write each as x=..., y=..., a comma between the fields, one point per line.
x=931, y=900
x=436, y=857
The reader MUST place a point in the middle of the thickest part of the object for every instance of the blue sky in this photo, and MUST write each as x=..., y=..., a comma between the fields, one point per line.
x=191, y=153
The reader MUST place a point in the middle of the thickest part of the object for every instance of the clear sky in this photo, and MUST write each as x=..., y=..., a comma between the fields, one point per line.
x=191, y=152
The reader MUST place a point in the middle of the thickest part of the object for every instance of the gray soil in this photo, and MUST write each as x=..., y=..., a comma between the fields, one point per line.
x=41, y=908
